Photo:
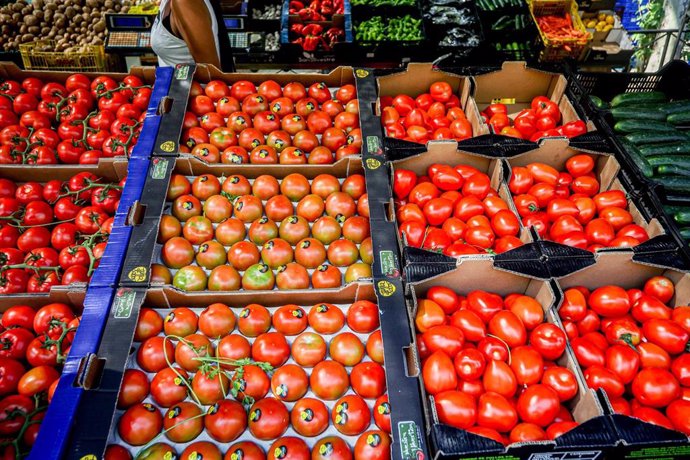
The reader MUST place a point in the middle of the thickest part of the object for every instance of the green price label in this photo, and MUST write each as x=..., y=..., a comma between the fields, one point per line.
x=159, y=168
x=410, y=441
x=124, y=303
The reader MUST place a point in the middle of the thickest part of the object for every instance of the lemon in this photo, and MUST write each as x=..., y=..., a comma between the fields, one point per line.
x=601, y=16
x=609, y=20
x=608, y=27
x=591, y=24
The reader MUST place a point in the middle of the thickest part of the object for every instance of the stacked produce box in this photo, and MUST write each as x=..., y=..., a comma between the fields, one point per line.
x=66, y=143
x=493, y=279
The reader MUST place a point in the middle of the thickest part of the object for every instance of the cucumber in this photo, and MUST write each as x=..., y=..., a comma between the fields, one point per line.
x=677, y=148
x=672, y=209
x=676, y=184
x=638, y=98
x=632, y=126
x=598, y=102
x=681, y=118
x=680, y=106
x=685, y=233
x=673, y=170
x=636, y=113
x=682, y=217
x=658, y=160
x=637, y=158
x=656, y=137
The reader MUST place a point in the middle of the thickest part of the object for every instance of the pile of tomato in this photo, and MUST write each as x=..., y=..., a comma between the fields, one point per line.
x=490, y=363
x=257, y=385
x=79, y=121
x=35, y=344
x=55, y=232
x=271, y=124
x=568, y=207
x=433, y=115
x=633, y=346
x=453, y=210
x=306, y=231
x=542, y=119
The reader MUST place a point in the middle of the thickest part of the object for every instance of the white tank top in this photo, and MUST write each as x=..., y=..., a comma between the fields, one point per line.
x=173, y=50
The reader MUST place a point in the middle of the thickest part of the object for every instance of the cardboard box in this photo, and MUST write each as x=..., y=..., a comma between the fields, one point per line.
x=445, y=152
x=591, y=439
x=601, y=37
x=556, y=151
x=516, y=85
x=636, y=439
x=144, y=249
x=111, y=171
x=417, y=79
x=99, y=428
x=10, y=71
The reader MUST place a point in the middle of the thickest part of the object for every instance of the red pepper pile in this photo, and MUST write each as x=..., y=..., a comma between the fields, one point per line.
x=317, y=10
x=541, y=120
x=560, y=28
x=311, y=36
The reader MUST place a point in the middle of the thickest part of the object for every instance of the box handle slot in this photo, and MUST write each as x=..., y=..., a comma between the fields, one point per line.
x=135, y=214
x=89, y=372
x=165, y=105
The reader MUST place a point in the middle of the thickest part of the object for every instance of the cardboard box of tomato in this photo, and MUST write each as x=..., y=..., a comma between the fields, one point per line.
x=508, y=321
x=577, y=198
x=260, y=429
x=526, y=103
x=636, y=334
x=450, y=202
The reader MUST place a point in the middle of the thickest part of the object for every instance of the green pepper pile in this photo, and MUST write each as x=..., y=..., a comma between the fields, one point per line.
x=376, y=29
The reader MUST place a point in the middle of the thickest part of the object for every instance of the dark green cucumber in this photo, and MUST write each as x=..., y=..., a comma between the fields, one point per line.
x=658, y=160
x=637, y=98
x=680, y=106
x=633, y=126
x=685, y=233
x=672, y=209
x=639, y=159
x=681, y=118
x=677, y=148
x=682, y=218
x=598, y=102
x=673, y=170
x=634, y=112
x=656, y=137
x=675, y=183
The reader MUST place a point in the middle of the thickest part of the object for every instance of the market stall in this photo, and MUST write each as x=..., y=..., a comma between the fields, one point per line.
x=371, y=256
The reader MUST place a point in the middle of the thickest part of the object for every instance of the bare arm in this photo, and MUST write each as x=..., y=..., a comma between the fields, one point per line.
x=193, y=22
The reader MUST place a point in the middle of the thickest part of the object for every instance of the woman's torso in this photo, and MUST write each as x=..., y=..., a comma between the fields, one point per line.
x=170, y=49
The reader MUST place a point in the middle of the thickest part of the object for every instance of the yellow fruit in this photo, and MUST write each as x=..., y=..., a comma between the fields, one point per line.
x=608, y=27
x=609, y=20
x=601, y=16
x=601, y=23
x=591, y=24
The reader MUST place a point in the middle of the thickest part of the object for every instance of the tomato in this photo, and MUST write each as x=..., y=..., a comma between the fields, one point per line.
x=496, y=412
x=548, y=340
x=225, y=421
x=253, y=383
x=329, y=380
x=374, y=445
x=268, y=419
x=438, y=373
x=660, y=287
x=562, y=381
x=134, y=388
x=154, y=354
x=308, y=349
x=368, y=379
x=140, y=424
x=655, y=387
x=289, y=382
x=677, y=413
x=351, y=415
x=182, y=422
x=666, y=334
x=498, y=377
x=201, y=449
x=271, y=347
x=180, y=322
x=168, y=387
x=11, y=371
x=508, y=327
x=456, y=409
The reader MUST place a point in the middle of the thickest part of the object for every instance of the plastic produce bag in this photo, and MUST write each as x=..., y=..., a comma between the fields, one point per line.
x=459, y=37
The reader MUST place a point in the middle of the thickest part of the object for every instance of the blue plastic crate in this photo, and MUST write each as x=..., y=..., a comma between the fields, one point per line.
x=57, y=424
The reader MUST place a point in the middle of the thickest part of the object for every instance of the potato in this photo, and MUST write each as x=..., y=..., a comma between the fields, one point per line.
x=34, y=30
x=99, y=26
